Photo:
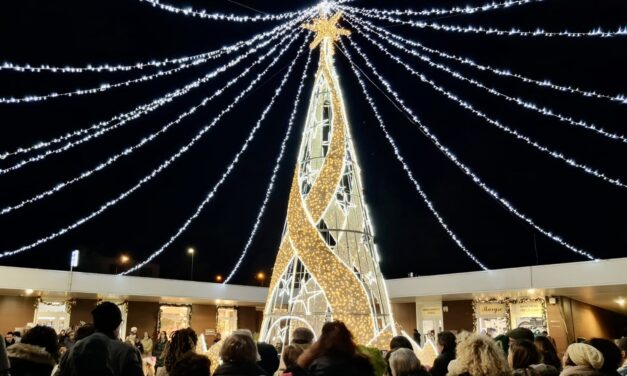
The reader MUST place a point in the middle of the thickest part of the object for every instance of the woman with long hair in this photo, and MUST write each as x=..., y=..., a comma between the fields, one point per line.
x=478, y=355
x=182, y=342
x=335, y=353
x=548, y=352
x=522, y=356
x=158, y=349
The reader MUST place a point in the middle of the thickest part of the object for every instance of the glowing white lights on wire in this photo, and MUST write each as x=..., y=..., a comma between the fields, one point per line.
x=441, y=11
x=598, y=32
x=410, y=175
x=228, y=171
x=472, y=109
x=275, y=171
x=144, y=140
x=475, y=178
x=189, y=11
x=620, y=98
x=148, y=64
x=125, y=118
x=154, y=172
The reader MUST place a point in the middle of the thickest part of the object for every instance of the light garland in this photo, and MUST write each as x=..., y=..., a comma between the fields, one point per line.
x=275, y=171
x=147, y=64
x=468, y=106
x=598, y=32
x=146, y=108
x=228, y=171
x=441, y=11
x=620, y=98
x=475, y=178
x=105, y=87
x=146, y=139
x=189, y=11
x=147, y=178
x=408, y=171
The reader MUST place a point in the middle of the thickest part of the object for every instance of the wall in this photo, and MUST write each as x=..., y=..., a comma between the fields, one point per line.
x=204, y=317
x=81, y=311
x=247, y=319
x=142, y=315
x=16, y=312
x=557, y=328
x=459, y=315
x=590, y=321
x=405, y=316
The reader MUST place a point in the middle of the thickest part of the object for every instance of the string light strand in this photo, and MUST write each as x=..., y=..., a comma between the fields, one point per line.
x=129, y=150
x=147, y=178
x=514, y=32
x=620, y=98
x=275, y=171
x=465, y=169
x=225, y=175
x=496, y=123
x=406, y=168
x=151, y=107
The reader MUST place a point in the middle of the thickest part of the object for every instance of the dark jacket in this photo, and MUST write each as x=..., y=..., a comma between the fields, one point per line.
x=101, y=355
x=157, y=350
x=440, y=364
x=328, y=366
x=30, y=360
x=239, y=369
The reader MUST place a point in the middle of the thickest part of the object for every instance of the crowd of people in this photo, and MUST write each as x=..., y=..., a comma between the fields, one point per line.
x=94, y=349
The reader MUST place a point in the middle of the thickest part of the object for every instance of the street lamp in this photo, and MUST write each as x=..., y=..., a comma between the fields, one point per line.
x=191, y=251
x=261, y=277
x=123, y=260
x=218, y=278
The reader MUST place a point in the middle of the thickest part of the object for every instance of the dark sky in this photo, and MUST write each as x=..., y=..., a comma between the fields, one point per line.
x=589, y=213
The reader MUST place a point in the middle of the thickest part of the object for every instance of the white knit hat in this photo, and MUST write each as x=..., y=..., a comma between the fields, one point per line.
x=585, y=355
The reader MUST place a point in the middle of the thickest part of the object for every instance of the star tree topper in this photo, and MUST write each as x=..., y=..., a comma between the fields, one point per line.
x=326, y=28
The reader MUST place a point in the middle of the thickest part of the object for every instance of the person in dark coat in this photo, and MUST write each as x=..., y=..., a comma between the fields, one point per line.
x=612, y=357
x=335, y=354
x=417, y=337
x=192, y=364
x=4, y=360
x=269, y=357
x=36, y=354
x=446, y=348
x=102, y=353
x=239, y=356
x=158, y=348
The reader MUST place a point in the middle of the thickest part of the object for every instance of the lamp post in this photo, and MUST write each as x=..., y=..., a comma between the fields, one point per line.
x=218, y=278
x=123, y=260
x=191, y=251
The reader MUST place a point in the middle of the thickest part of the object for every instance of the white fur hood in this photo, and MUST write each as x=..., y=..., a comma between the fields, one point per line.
x=30, y=353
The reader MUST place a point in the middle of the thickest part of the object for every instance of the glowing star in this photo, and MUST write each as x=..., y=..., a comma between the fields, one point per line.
x=326, y=28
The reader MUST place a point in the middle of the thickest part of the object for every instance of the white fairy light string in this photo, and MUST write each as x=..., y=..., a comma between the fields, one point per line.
x=129, y=150
x=496, y=123
x=189, y=11
x=475, y=178
x=145, y=179
x=620, y=98
x=147, y=64
x=226, y=174
x=275, y=171
x=138, y=111
x=148, y=108
x=441, y=11
x=408, y=171
x=598, y=32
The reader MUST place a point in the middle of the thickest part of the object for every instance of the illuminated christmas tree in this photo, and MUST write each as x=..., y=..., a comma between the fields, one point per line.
x=327, y=265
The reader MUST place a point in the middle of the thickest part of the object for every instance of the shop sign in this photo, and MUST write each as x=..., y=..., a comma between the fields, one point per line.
x=490, y=310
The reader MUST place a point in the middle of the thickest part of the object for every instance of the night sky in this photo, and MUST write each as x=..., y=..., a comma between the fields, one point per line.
x=589, y=213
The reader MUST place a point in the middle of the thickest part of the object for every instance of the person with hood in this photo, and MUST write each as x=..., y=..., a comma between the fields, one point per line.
x=239, y=356
x=102, y=353
x=581, y=359
x=403, y=362
x=36, y=354
x=335, y=353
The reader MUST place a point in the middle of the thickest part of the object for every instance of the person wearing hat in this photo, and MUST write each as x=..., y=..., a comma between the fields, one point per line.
x=133, y=336
x=581, y=359
x=102, y=353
